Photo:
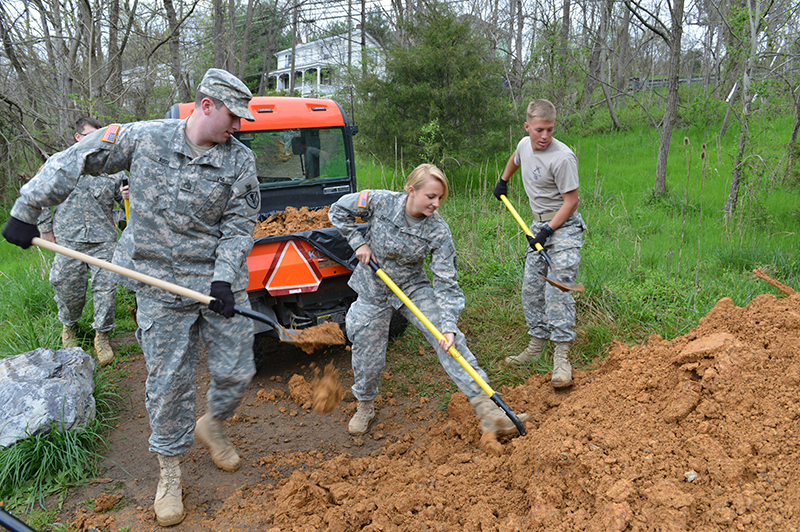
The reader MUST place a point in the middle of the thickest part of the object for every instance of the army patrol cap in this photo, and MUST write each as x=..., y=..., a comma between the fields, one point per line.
x=229, y=89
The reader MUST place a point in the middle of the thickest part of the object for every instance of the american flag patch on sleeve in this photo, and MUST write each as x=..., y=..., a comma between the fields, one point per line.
x=110, y=134
x=362, y=199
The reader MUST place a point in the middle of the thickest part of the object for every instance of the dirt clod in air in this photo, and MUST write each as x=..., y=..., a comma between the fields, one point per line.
x=300, y=391
x=490, y=444
x=318, y=336
x=327, y=391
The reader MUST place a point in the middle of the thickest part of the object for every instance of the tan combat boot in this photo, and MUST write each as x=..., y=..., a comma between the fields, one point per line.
x=68, y=337
x=169, y=494
x=365, y=413
x=492, y=418
x=209, y=432
x=102, y=348
x=532, y=352
x=562, y=370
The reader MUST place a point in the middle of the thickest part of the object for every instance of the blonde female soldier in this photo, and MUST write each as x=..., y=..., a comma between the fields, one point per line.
x=404, y=230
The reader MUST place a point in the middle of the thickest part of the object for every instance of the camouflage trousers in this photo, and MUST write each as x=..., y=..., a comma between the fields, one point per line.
x=70, y=278
x=170, y=336
x=367, y=327
x=549, y=312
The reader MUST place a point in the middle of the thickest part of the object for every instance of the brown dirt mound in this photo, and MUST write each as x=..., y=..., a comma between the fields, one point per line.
x=697, y=433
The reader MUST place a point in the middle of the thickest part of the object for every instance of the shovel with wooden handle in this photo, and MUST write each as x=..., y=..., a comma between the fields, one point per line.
x=292, y=336
x=453, y=352
x=564, y=286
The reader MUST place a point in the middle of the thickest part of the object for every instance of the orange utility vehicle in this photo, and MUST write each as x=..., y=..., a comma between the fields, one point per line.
x=304, y=157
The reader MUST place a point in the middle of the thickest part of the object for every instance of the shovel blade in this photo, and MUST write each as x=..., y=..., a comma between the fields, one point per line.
x=564, y=286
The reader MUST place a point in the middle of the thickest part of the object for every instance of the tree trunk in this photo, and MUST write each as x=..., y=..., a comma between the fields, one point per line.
x=219, y=33
x=114, y=71
x=624, y=52
x=564, y=40
x=671, y=109
x=175, y=52
x=230, y=55
x=248, y=23
x=755, y=20
x=294, y=46
x=272, y=25
x=793, y=138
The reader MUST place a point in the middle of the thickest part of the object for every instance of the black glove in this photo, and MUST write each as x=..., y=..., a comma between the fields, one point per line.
x=540, y=238
x=223, y=301
x=501, y=188
x=20, y=233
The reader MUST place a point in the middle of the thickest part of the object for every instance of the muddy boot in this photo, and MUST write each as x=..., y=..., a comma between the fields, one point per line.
x=562, y=370
x=102, y=348
x=492, y=418
x=209, y=432
x=169, y=494
x=365, y=413
x=532, y=352
x=68, y=337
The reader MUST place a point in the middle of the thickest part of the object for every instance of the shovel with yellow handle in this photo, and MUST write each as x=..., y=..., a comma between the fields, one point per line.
x=564, y=286
x=127, y=202
x=453, y=352
x=292, y=336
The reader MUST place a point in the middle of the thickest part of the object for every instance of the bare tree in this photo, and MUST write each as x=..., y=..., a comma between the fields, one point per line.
x=219, y=34
x=755, y=24
x=671, y=35
x=248, y=23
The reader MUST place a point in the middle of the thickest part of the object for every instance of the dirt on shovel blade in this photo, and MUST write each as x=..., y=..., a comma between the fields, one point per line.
x=319, y=336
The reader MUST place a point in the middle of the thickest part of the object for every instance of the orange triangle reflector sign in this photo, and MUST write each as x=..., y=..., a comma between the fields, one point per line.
x=292, y=272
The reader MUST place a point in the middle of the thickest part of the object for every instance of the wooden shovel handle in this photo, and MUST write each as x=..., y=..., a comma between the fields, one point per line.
x=125, y=272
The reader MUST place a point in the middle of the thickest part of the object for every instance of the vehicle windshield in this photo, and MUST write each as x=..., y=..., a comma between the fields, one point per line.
x=296, y=156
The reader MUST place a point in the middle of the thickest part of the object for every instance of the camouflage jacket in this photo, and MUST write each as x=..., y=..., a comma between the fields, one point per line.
x=401, y=252
x=87, y=215
x=191, y=221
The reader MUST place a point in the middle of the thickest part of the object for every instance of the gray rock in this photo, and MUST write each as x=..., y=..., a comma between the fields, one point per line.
x=42, y=386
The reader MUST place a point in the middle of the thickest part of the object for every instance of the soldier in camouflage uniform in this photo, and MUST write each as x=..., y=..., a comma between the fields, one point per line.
x=194, y=198
x=550, y=177
x=85, y=223
x=404, y=230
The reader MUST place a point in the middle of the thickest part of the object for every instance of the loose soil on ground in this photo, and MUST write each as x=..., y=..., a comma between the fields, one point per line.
x=698, y=433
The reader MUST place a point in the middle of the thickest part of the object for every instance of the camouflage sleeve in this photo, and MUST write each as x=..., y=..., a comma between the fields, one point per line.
x=238, y=221
x=343, y=213
x=45, y=221
x=54, y=181
x=449, y=296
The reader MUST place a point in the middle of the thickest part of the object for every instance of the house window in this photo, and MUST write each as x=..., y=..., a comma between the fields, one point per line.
x=287, y=60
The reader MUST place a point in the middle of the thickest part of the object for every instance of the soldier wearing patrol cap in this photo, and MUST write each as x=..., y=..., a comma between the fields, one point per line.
x=194, y=199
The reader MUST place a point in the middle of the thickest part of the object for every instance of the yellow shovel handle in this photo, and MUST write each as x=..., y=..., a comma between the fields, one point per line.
x=519, y=219
x=453, y=352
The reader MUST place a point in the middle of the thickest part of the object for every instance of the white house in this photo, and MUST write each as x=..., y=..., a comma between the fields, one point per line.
x=319, y=63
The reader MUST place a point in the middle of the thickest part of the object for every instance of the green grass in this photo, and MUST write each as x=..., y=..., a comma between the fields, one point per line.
x=43, y=465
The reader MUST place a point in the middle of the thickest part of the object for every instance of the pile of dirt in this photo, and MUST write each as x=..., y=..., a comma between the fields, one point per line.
x=292, y=220
x=698, y=433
